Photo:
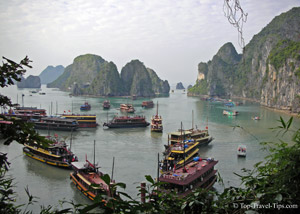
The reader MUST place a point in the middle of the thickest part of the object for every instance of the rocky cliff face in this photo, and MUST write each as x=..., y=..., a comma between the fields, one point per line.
x=29, y=82
x=51, y=73
x=159, y=87
x=92, y=75
x=268, y=71
x=136, y=79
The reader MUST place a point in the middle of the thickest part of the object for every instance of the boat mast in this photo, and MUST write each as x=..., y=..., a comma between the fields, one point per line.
x=183, y=148
x=94, y=153
x=71, y=139
x=192, y=119
x=157, y=108
x=157, y=167
x=112, y=170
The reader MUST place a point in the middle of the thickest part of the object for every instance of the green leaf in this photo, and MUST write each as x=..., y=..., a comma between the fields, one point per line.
x=278, y=197
x=106, y=179
x=149, y=179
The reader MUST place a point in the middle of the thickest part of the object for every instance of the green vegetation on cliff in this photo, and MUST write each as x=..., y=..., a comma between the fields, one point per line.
x=283, y=50
x=268, y=69
x=92, y=75
x=199, y=89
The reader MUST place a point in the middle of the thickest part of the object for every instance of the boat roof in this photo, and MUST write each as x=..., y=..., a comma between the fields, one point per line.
x=179, y=133
x=58, y=119
x=194, y=170
x=79, y=165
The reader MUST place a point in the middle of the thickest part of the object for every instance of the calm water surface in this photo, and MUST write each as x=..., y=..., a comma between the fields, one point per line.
x=135, y=150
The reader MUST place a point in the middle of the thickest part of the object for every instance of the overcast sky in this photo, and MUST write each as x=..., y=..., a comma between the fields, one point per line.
x=169, y=36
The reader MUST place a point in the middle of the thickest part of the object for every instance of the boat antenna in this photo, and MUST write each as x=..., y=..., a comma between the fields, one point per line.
x=183, y=149
x=94, y=153
x=192, y=119
x=71, y=139
x=56, y=107
x=51, y=108
x=157, y=167
x=112, y=170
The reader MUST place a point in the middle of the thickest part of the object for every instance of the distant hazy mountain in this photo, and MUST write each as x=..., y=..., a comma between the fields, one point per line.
x=51, y=73
x=29, y=82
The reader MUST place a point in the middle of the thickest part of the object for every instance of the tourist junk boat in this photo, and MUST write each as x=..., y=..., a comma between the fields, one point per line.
x=56, y=123
x=128, y=108
x=57, y=154
x=148, y=104
x=180, y=153
x=241, y=151
x=85, y=107
x=84, y=120
x=26, y=113
x=199, y=173
x=87, y=179
x=127, y=122
x=156, y=122
x=106, y=104
x=230, y=113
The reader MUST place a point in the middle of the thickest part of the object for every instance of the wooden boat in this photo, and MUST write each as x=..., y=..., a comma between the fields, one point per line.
x=179, y=154
x=242, y=150
x=197, y=135
x=84, y=120
x=127, y=122
x=230, y=113
x=85, y=107
x=57, y=154
x=87, y=179
x=26, y=113
x=156, y=122
x=199, y=173
x=128, y=108
x=148, y=104
x=56, y=123
x=255, y=118
x=106, y=104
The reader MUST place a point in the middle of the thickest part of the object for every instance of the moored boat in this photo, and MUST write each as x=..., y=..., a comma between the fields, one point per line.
x=242, y=150
x=199, y=173
x=56, y=123
x=85, y=107
x=127, y=122
x=179, y=154
x=156, y=122
x=148, y=104
x=128, y=108
x=230, y=113
x=57, y=154
x=84, y=120
x=256, y=118
x=106, y=104
x=87, y=179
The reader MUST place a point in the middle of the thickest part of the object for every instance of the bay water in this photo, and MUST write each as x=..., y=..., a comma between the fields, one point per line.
x=135, y=149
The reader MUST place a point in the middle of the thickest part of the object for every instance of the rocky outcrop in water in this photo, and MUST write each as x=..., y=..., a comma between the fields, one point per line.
x=92, y=75
x=179, y=86
x=30, y=82
x=268, y=71
x=51, y=73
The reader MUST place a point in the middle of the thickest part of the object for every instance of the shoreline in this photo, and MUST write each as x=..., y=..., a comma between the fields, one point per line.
x=285, y=111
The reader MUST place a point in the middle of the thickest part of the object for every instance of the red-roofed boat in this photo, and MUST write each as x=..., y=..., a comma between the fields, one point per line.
x=199, y=173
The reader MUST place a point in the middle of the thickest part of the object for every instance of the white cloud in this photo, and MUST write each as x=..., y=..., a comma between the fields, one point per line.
x=171, y=37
